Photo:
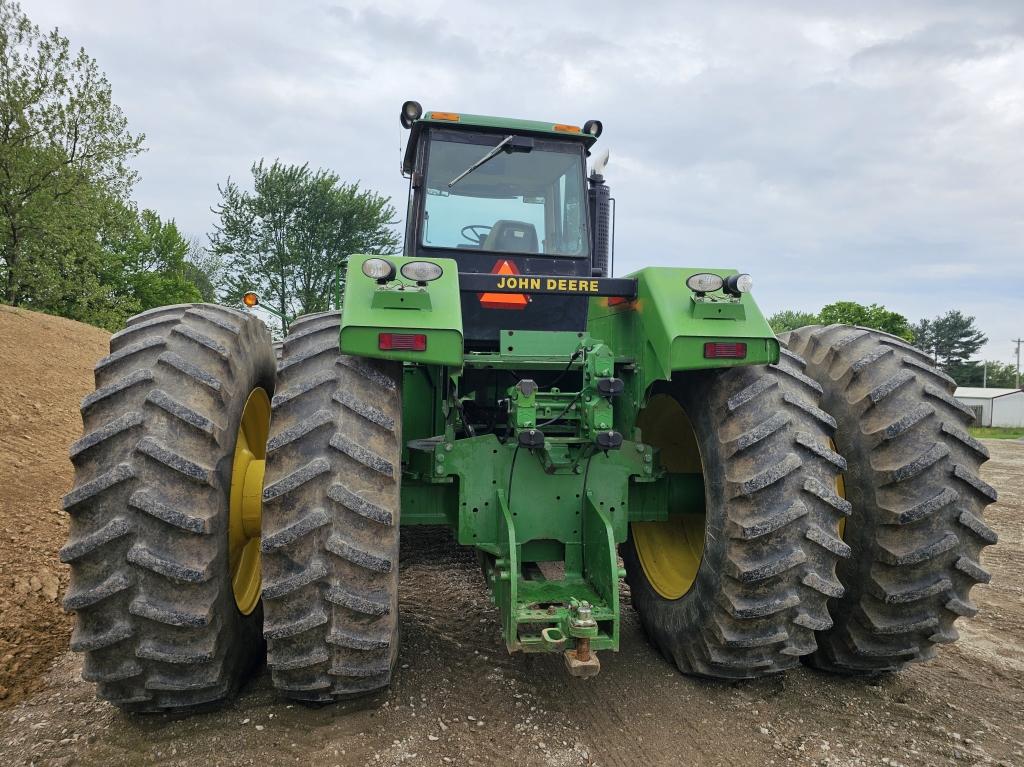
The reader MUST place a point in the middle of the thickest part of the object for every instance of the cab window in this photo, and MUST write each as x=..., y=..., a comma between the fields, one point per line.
x=527, y=197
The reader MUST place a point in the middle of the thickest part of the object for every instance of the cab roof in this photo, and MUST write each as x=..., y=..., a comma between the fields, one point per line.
x=487, y=123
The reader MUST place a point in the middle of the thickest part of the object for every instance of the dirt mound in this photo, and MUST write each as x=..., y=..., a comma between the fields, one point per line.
x=46, y=364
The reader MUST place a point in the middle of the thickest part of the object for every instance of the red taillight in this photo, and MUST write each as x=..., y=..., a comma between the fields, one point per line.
x=405, y=342
x=716, y=351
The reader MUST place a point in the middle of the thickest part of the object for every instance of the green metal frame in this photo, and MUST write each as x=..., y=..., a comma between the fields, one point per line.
x=568, y=502
x=508, y=125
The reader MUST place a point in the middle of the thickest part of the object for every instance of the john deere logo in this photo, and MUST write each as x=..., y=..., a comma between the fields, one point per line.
x=547, y=284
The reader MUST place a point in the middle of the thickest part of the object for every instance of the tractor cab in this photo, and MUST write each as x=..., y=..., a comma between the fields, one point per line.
x=506, y=197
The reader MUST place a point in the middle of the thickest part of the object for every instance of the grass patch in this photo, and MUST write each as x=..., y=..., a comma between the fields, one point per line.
x=997, y=432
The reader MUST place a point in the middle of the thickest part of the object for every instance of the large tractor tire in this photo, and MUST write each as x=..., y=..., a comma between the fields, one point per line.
x=738, y=590
x=331, y=508
x=163, y=546
x=916, y=530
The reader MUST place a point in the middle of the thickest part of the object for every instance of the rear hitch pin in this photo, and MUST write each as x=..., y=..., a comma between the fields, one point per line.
x=580, y=661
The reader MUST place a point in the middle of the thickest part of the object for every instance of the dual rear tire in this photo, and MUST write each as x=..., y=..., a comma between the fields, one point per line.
x=857, y=566
x=190, y=551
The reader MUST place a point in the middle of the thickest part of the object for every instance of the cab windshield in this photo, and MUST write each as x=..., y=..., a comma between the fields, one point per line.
x=526, y=198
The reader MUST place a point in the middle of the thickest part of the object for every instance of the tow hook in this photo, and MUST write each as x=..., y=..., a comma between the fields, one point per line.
x=554, y=639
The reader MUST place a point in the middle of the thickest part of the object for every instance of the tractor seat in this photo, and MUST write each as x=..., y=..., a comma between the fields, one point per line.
x=512, y=237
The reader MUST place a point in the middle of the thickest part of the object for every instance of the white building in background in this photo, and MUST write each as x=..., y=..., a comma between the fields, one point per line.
x=993, y=407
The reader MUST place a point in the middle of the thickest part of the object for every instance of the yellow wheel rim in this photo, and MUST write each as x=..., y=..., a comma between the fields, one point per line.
x=246, y=505
x=670, y=552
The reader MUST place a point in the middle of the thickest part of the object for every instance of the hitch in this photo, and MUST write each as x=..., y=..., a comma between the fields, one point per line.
x=545, y=496
x=580, y=661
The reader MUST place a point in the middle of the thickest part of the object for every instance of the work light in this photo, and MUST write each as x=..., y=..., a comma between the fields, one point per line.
x=736, y=284
x=421, y=271
x=378, y=269
x=593, y=127
x=703, y=282
x=411, y=112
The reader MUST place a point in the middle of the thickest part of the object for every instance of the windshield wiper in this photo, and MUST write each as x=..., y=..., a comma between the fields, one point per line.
x=493, y=153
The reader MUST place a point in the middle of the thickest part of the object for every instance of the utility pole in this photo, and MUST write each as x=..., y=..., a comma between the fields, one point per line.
x=1017, y=341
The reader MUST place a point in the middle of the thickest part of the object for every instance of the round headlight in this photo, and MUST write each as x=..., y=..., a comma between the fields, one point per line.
x=421, y=271
x=378, y=269
x=736, y=284
x=703, y=282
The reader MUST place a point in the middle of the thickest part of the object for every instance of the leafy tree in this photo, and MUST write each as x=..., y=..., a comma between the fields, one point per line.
x=871, y=316
x=77, y=269
x=791, y=320
x=205, y=269
x=996, y=375
x=1000, y=375
x=287, y=237
x=951, y=339
x=157, y=270
x=967, y=373
x=64, y=153
x=924, y=336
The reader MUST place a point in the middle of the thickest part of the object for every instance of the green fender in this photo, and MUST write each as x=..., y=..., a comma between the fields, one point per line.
x=432, y=310
x=665, y=328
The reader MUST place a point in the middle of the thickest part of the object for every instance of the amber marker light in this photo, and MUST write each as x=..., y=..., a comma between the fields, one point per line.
x=567, y=128
x=450, y=116
x=251, y=299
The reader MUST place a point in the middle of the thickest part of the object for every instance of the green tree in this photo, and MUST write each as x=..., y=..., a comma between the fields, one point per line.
x=924, y=337
x=1000, y=375
x=871, y=316
x=287, y=237
x=967, y=373
x=77, y=267
x=205, y=269
x=791, y=320
x=951, y=339
x=157, y=270
x=64, y=154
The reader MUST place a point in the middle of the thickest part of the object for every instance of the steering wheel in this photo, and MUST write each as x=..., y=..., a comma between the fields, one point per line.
x=476, y=237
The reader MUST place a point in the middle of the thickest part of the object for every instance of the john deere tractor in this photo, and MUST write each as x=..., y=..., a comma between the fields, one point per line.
x=767, y=500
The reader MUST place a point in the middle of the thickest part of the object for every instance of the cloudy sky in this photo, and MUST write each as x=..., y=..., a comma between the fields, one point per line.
x=870, y=151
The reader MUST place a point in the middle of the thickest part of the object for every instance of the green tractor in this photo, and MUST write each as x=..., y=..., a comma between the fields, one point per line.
x=767, y=500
